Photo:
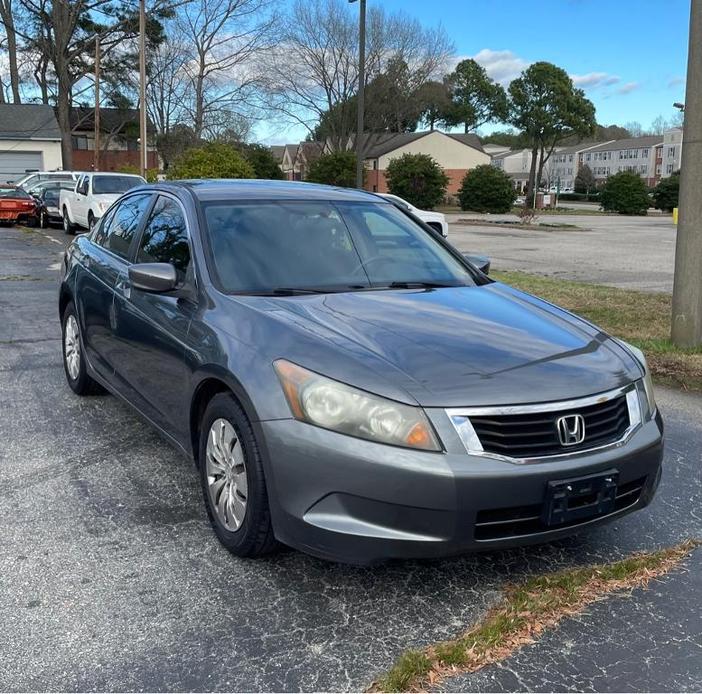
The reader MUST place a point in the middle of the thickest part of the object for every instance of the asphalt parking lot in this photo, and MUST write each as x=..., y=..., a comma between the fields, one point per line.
x=626, y=252
x=112, y=580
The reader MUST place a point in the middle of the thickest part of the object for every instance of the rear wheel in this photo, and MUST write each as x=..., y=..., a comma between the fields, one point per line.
x=73, y=360
x=43, y=219
x=68, y=227
x=233, y=482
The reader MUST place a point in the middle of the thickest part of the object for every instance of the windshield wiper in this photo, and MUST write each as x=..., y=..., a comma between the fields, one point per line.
x=292, y=291
x=422, y=285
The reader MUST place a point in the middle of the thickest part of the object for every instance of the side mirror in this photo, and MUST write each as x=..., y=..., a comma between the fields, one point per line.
x=480, y=261
x=153, y=277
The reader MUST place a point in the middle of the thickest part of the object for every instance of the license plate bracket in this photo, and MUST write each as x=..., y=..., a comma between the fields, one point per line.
x=579, y=498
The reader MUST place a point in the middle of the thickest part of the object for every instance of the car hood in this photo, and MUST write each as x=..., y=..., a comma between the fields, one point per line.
x=454, y=347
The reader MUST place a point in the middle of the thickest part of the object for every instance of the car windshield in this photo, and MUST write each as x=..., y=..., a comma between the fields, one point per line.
x=115, y=184
x=6, y=192
x=280, y=247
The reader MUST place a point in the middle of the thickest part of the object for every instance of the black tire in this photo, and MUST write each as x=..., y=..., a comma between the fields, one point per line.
x=254, y=537
x=91, y=222
x=80, y=383
x=43, y=220
x=68, y=228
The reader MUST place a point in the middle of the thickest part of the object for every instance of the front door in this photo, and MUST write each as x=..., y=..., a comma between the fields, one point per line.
x=152, y=329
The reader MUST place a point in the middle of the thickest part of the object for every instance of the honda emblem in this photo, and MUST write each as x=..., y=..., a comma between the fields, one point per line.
x=571, y=429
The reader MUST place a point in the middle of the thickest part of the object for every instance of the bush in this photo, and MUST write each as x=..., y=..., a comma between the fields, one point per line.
x=579, y=197
x=151, y=174
x=487, y=189
x=262, y=161
x=418, y=179
x=334, y=169
x=665, y=194
x=212, y=160
x=625, y=193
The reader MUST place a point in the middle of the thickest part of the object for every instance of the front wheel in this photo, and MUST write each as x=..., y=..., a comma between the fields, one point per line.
x=233, y=482
x=91, y=222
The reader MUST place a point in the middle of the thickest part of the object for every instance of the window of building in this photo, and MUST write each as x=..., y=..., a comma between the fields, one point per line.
x=644, y=153
x=669, y=168
x=671, y=152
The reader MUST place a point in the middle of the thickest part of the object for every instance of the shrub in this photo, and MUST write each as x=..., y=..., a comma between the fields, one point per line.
x=625, y=193
x=487, y=189
x=334, y=169
x=151, y=174
x=212, y=160
x=262, y=161
x=418, y=179
x=665, y=194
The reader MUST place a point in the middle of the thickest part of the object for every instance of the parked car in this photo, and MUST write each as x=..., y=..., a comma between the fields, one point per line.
x=31, y=179
x=92, y=195
x=47, y=195
x=346, y=382
x=16, y=205
x=436, y=220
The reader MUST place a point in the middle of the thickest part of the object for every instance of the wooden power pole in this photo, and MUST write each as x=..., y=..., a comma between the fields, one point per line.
x=96, y=160
x=142, y=87
x=687, y=289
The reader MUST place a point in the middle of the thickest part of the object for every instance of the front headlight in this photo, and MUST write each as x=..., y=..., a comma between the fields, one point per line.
x=332, y=405
x=647, y=380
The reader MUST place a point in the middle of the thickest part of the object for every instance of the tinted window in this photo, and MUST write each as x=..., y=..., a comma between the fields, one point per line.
x=115, y=184
x=117, y=231
x=8, y=192
x=263, y=246
x=165, y=237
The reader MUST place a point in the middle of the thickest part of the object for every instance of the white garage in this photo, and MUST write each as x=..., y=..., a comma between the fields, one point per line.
x=30, y=140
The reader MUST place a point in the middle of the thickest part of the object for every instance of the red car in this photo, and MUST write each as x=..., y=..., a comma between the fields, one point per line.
x=16, y=205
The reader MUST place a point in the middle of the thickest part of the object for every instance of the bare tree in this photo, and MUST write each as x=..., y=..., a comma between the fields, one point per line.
x=7, y=15
x=314, y=69
x=224, y=37
x=167, y=84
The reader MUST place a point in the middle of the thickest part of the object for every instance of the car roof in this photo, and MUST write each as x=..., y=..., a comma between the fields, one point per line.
x=260, y=189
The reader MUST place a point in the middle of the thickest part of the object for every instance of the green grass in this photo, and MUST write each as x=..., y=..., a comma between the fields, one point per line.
x=527, y=610
x=641, y=318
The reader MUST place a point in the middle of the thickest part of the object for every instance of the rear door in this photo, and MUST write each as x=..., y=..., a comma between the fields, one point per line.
x=101, y=267
x=151, y=330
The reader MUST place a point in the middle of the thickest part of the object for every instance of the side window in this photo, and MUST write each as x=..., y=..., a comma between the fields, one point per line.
x=165, y=237
x=118, y=229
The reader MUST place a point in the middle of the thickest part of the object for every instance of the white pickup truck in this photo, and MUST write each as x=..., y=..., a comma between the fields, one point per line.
x=92, y=195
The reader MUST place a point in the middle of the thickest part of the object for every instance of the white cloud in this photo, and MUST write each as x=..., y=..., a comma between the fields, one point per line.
x=628, y=87
x=675, y=81
x=502, y=66
x=592, y=80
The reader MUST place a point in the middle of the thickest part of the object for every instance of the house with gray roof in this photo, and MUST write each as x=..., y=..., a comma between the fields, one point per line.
x=30, y=140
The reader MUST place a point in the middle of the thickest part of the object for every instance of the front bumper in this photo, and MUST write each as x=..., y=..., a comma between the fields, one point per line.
x=360, y=502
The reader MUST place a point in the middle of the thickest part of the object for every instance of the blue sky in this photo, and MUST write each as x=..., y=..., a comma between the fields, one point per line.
x=641, y=43
x=628, y=55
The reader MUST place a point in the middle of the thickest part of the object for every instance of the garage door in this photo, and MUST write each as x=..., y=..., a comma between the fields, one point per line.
x=14, y=165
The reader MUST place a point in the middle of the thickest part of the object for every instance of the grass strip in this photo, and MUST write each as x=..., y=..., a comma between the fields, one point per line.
x=524, y=613
x=641, y=318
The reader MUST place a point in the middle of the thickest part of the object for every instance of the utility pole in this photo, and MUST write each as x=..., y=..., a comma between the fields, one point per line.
x=96, y=118
x=686, y=328
x=361, y=92
x=142, y=86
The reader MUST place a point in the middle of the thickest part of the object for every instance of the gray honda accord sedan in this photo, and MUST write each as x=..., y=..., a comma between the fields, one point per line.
x=346, y=381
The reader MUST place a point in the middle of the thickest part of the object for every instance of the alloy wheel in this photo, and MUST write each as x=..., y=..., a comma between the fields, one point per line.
x=227, y=482
x=71, y=347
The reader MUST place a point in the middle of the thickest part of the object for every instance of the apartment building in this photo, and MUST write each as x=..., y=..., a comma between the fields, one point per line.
x=669, y=157
x=562, y=166
x=515, y=164
x=637, y=154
